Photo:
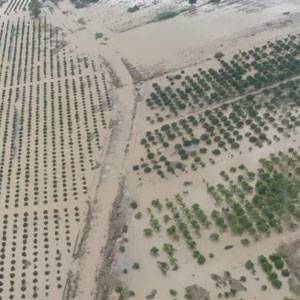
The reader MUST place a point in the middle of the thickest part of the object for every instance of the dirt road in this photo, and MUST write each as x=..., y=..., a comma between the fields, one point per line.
x=89, y=273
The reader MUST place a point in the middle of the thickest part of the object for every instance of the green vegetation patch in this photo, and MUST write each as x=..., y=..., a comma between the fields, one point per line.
x=99, y=35
x=35, y=7
x=133, y=9
x=166, y=15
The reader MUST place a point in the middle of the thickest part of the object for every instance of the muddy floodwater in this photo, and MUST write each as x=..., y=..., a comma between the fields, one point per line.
x=149, y=149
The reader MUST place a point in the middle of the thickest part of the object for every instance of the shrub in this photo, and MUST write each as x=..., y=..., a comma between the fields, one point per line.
x=133, y=9
x=99, y=35
x=35, y=7
x=285, y=273
x=276, y=283
x=154, y=251
x=264, y=287
x=136, y=266
x=147, y=170
x=166, y=15
x=148, y=232
x=219, y=55
x=138, y=215
x=163, y=266
x=214, y=237
x=216, y=152
x=245, y=242
x=201, y=259
x=133, y=205
x=119, y=289
x=135, y=168
x=249, y=265
x=279, y=264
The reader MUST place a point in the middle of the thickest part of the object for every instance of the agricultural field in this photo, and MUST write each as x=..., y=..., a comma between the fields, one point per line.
x=221, y=147
x=149, y=150
x=13, y=6
x=54, y=122
x=237, y=111
x=209, y=233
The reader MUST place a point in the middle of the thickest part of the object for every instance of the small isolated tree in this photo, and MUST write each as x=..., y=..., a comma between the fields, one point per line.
x=148, y=232
x=249, y=265
x=98, y=35
x=35, y=7
x=201, y=259
x=214, y=237
x=154, y=251
x=285, y=273
x=136, y=266
x=219, y=55
x=133, y=205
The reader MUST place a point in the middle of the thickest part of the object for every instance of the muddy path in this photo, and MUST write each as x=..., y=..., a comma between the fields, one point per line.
x=84, y=281
x=89, y=274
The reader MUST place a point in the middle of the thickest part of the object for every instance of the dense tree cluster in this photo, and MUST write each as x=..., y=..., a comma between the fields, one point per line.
x=245, y=72
x=230, y=127
x=261, y=204
x=252, y=207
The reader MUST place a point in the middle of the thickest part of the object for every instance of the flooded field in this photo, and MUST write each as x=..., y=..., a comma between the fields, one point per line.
x=149, y=150
x=55, y=114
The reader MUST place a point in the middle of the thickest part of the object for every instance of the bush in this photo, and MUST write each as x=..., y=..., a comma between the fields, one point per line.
x=279, y=264
x=285, y=273
x=276, y=284
x=294, y=286
x=214, y=237
x=201, y=259
x=216, y=152
x=99, y=35
x=133, y=9
x=166, y=15
x=219, y=55
x=154, y=251
x=35, y=7
x=264, y=287
x=119, y=289
x=147, y=170
x=245, y=242
x=148, y=232
x=135, y=266
x=133, y=205
x=135, y=168
x=249, y=265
